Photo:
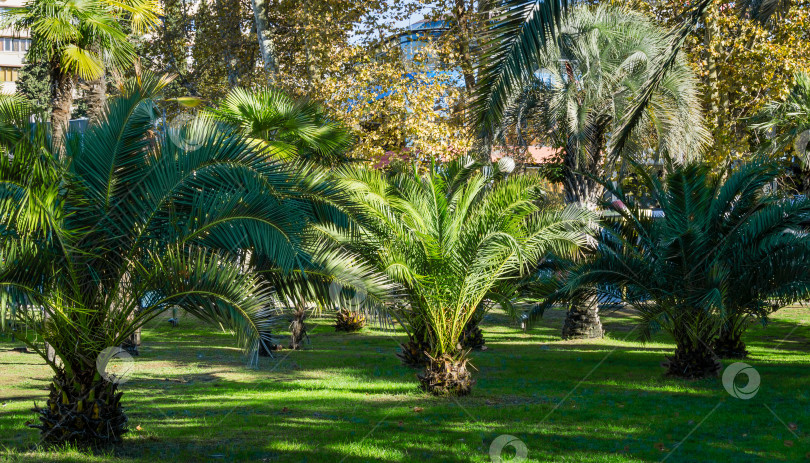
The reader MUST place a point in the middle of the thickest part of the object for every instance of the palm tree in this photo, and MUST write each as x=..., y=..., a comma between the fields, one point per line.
x=299, y=134
x=81, y=40
x=786, y=124
x=297, y=128
x=448, y=238
x=724, y=253
x=125, y=225
x=588, y=79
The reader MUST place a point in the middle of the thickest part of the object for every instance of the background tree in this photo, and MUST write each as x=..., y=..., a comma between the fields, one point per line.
x=783, y=128
x=401, y=110
x=79, y=40
x=34, y=84
x=744, y=61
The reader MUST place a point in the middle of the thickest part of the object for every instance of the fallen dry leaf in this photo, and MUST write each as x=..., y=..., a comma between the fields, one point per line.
x=418, y=409
x=788, y=443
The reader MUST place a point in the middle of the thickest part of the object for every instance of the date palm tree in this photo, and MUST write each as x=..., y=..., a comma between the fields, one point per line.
x=725, y=253
x=448, y=237
x=126, y=224
x=81, y=40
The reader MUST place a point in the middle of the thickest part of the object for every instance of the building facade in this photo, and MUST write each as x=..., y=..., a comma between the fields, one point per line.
x=13, y=46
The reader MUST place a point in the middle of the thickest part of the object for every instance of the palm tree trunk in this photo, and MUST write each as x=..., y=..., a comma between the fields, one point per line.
x=298, y=330
x=729, y=343
x=96, y=97
x=62, y=85
x=582, y=321
x=82, y=408
x=265, y=36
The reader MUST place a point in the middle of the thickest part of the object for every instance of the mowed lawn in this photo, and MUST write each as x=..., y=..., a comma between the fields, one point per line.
x=346, y=398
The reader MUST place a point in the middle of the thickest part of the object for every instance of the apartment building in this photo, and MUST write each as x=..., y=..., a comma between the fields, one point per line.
x=13, y=45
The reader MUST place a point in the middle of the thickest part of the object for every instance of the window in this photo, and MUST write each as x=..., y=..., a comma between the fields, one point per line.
x=18, y=45
x=8, y=74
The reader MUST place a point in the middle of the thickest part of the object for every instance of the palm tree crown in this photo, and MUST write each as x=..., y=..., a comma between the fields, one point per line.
x=587, y=80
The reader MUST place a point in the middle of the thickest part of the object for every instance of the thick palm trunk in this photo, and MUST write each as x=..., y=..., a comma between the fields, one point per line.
x=62, y=85
x=693, y=361
x=581, y=187
x=82, y=409
x=729, y=344
x=96, y=96
x=582, y=321
x=413, y=351
x=298, y=330
x=447, y=375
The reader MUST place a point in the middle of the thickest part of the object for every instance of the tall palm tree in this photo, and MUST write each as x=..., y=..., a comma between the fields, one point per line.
x=448, y=238
x=126, y=224
x=297, y=128
x=81, y=40
x=587, y=80
x=589, y=76
x=725, y=253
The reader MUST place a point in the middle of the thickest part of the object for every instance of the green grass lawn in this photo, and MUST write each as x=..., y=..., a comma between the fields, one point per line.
x=346, y=398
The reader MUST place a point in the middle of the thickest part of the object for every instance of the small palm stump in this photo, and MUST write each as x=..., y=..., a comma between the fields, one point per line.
x=298, y=330
x=349, y=321
x=447, y=376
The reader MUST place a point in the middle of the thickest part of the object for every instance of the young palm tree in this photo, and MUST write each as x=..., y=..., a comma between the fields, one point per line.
x=297, y=129
x=588, y=79
x=81, y=40
x=448, y=238
x=723, y=254
x=125, y=225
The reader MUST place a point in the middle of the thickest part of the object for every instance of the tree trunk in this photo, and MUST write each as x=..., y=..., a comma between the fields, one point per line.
x=582, y=321
x=265, y=35
x=62, y=85
x=82, y=409
x=692, y=361
x=712, y=78
x=96, y=97
x=579, y=178
x=447, y=376
x=462, y=13
x=729, y=343
x=298, y=330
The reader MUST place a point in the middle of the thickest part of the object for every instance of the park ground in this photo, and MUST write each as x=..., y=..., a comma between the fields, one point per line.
x=346, y=398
